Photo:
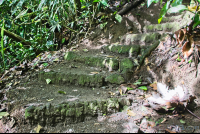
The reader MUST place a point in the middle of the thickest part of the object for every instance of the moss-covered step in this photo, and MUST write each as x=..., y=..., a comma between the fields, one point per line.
x=172, y=18
x=122, y=49
x=181, y=21
x=144, y=37
x=111, y=63
x=81, y=76
x=72, y=112
x=50, y=104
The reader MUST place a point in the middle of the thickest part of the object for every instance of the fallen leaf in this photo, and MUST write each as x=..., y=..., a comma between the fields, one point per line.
x=182, y=121
x=111, y=93
x=120, y=91
x=94, y=72
x=85, y=50
x=131, y=113
x=3, y=114
x=50, y=99
x=48, y=81
x=143, y=88
x=187, y=49
x=154, y=85
x=61, y=92
x=37, y=129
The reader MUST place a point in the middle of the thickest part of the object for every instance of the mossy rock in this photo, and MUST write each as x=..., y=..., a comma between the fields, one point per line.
x=115, y=79
x=29, y=112
x=70, y=56
x=126, y=64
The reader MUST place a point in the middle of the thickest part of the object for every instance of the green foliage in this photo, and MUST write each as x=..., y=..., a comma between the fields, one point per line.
x=177, y=7
x=118, y=18
x=2, y=44
x=37, y=21
x=143, y=88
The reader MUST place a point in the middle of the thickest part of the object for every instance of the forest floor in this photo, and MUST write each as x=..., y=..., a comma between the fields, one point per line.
x=26, y=89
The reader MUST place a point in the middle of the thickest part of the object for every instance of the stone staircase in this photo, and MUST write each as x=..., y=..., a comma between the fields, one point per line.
x=85, y=84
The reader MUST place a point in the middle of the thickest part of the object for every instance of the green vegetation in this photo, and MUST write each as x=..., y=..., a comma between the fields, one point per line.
x=175, y=6
x=31, y=27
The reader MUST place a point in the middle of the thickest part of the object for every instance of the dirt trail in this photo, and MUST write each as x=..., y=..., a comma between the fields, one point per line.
x=86, y=90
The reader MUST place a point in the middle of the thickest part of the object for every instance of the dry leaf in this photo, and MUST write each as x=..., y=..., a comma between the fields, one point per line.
x=37, y=129
x=148, y=68
x=187, y=49
x=120, y=91
x=94, y=72
x=123, y=87
x=131, y=113
x=111, y=93
x=153, y=85
x=193, y=9
x=146, y=61
x=181, y=36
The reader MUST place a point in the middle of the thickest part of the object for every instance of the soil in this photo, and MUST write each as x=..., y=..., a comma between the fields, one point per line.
x=161, y=66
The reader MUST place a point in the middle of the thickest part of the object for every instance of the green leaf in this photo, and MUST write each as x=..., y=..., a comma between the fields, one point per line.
x=136, y=83
x=83, y=7
x=163, y=11
x=196, y=21
x=182, y=121
x=159, y=121
x=176, y=2
x=45, y=64
x=48, y=81
x=172, y=108
x=118, y=18
x=85, y=50
x=143, y=88
x=63, y=40
x=96, y=0
x=177, y=9
x=104, y=3
x=61, y=92
x=3, y=114
x=128, y=88
x=151, y=1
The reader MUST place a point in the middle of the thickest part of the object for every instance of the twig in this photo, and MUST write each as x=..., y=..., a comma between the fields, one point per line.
x=192, y=113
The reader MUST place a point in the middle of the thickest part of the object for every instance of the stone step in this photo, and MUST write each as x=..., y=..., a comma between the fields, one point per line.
x=165, y=26
x=102, y=61
x=82, y=75
x=128, y=50
x=76, y=104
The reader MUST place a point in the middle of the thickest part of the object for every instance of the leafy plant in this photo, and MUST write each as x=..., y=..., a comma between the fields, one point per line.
x=31, y=27
x=176, y=7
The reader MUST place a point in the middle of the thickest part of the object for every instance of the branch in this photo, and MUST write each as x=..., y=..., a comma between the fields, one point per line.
x=129, y=6
x=16, y=37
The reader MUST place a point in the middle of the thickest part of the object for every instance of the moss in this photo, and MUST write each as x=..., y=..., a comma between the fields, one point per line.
x=70, y=112
x=70, y=56
x=115, y=79
x=29, y=112
x=79, y=111
x=126, y=64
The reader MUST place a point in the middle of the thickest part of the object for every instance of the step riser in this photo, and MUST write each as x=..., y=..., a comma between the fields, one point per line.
x=103, y=62
x=72, y=79
x=73, y=112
